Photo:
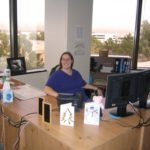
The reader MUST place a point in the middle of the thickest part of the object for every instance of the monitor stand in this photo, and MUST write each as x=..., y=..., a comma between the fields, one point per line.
x=121, y=111
x=143, y=103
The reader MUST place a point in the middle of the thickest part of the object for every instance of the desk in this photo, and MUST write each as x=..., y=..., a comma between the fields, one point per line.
x=39, y=136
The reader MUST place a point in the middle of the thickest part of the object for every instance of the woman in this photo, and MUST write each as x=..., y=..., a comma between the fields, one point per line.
x=67, y=79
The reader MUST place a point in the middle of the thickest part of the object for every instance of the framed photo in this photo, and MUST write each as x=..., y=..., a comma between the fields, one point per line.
x=17, y=65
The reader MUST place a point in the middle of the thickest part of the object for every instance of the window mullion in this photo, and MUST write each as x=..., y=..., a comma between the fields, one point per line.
x=13, y=28
x=136, y=34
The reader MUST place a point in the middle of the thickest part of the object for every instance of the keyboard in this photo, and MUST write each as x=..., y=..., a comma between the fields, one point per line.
x=65, y=96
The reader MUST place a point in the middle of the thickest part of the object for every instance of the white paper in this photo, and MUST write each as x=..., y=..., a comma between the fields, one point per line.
x=25, y=92
x=67, y=114
x=92, y=113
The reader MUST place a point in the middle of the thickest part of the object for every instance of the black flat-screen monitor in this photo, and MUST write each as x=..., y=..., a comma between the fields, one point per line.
x=143, y=88
x=75, y=99
x=121, y=89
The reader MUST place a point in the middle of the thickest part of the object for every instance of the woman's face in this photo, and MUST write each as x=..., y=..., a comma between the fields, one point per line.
x=66, y=61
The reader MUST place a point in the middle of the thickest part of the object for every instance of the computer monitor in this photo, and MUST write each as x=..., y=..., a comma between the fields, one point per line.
x=75, y=99
x=143, y=88
x=121, y=89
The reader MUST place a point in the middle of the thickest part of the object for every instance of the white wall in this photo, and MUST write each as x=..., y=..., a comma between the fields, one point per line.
x=55, y=30
x=79, y=33
x=68, y=27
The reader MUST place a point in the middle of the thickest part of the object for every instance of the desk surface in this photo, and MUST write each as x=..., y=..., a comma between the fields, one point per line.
x=39, y=136
x=79, y=137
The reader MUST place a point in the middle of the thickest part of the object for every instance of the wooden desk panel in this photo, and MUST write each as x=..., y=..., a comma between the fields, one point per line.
x=82, y=137
x=145, y=132
x=39, y=136
x=1, y=125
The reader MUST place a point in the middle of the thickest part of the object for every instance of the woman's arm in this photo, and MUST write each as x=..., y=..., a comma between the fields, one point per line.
x=48, y=90
x=92, y=87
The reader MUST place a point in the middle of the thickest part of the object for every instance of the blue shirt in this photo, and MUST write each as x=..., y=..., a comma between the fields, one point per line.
x=64, y=83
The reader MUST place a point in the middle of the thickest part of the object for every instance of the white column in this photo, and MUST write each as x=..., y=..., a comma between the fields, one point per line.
x=68, y=26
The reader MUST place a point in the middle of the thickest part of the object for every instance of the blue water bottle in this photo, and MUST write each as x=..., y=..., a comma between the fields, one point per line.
x=7, y=93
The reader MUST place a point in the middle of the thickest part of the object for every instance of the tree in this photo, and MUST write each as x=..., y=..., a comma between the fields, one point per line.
x=108, y=45
x=96, y=45
x=145, y=40
x=127, y=45
x=4, y=44
x=25, y=47
x=37, y=35
x=122, y=46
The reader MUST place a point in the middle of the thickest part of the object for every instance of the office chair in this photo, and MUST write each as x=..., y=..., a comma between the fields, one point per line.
x=55, y=68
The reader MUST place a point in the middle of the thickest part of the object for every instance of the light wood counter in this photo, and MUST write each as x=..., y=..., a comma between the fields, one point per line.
x=36, y=135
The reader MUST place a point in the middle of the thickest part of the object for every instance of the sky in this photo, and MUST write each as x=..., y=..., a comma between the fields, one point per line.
x=107, y=14
x=116, y=14
x=29, y=10
x=4, y=12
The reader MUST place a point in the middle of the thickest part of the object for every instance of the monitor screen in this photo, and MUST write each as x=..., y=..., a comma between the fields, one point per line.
x=121, y=89
x=75, y=99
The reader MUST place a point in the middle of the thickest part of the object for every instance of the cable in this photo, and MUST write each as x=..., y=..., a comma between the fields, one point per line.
x=140, y=123
x=15, y=146
x=15, y=124
x=141, y=119
x=146, y=122
x=22, y=122
x=33, y=113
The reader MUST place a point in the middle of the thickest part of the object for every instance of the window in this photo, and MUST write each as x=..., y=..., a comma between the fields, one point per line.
x=144, y=44
x=4, y=33
x=113, y=26
x=30, y=23
x=31, y=32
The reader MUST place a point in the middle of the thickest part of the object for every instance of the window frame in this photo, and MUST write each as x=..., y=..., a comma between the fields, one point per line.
x=14, y=52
